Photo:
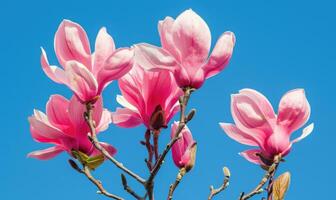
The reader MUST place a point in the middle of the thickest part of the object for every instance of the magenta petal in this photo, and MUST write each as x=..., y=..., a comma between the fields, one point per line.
x=104, y=47
x=45, y=129
x=46, y=154
x=109, y=148
x=72, y=43
x=57, y=110
x=220, y=55
x=251, y=155
x=116, y=66
x=126, y=118
x=192, y=38
x=294, y=110
x=234, y=133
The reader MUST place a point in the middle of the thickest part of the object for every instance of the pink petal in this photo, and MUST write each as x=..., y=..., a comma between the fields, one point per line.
x=104, y=121
x=54, y=73
x=109, y=148
x=71, y=43
x=165, y=30
x=126, y=118
x=76, y=114
x=220, y=55
x=103, y=49
x=192, y=38
x=154, y=58
x=116, y=66
x=45, y=129
x=294, y=110
x=251, y=155
x=46, y=154
x=234, y=133
x=57, y=111
x=306, y=131
x=81, y=81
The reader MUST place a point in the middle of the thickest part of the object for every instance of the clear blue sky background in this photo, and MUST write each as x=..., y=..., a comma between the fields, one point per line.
x=281, y=45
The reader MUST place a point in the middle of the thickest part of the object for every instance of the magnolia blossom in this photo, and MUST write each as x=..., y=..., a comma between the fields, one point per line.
x=184, y=149
x=84, y=73
x=150, y=98
x=256, y=124
x=185, y=49
x=64, y=126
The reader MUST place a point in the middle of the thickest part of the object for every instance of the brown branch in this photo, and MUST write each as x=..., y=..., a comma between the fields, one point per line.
x=213, y=191
x=128, y=189
x=94, y=140
x=269, y=174
x=173, y=186
x=183, y=104
x=156, y=144
x=270, y=184
x=99, y=185
x=149, y=147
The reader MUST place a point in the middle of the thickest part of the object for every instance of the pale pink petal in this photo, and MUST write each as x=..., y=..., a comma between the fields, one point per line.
x=71, y=43
x=54, y=73
x=306, y=131
x=46, y=154
x=104, y=121
x=116, y=66
x=251, y=155
x=220, y=55
x=154, y=58
x=234, y=133
x=104, y=47
x=192, y=38
x=126, y=118
x=165, y=28
x=57, y=111
x=81, y=81
x=294, y=110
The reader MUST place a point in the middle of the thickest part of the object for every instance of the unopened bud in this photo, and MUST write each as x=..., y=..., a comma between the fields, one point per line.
x=157, y=119
x=226, y=172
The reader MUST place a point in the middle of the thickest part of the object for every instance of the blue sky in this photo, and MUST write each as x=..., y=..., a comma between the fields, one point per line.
x=281, y=45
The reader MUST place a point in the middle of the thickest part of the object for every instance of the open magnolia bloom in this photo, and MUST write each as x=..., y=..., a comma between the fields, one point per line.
x=256, y=124
x=184, y=150
x=84, y=73
x=64, y=126
x=185, y=50
x=149, y=98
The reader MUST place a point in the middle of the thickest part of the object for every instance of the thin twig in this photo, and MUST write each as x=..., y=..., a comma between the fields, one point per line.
x=213, y=191
x=94, y=140
x=183, y=104
x=173, y=186
x=128, y=189
x=99, y=185
x=269, y=173
x=156, y=144
x=270, y=184
x=149, y=147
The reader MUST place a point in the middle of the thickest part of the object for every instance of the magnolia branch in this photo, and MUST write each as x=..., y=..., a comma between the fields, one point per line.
x=213, y=191
x=86, y=171
x=183, y=121
x=268, y=175
x=94, y=140
x=173, y=186
x=129, y=189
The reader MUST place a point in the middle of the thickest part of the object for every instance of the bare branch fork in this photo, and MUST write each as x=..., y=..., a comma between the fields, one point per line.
x=268, y=176
x=225, y=184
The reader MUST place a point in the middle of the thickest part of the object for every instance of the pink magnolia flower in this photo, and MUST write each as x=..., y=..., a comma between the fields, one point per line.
x=145, y=96
x=256, y=124
x=185, y=49
x=184, y=149
x=64, y=126
x=84, y=73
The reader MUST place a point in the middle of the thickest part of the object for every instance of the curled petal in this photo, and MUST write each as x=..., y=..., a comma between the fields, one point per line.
x=104, y=47
x=126, y=118
x=81, y=81
x=46, y=154
x=192, y=38
x=72, y=43
x=306, y=131
x=57, y=110
x=154, y=58
x=234, y=133
x=54, y=73
x=252, y=156
x=220, y=55
x=294, y=110
x=116, y=66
